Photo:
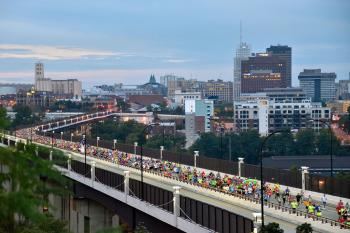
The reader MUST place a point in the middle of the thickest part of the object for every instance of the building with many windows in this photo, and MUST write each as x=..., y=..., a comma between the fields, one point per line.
x=277, y=109
x=317, y=85
x=198, y=114
x=262, y=71
x=70, y=88
x=284, y=52
x=218, y=90
x=242, y=54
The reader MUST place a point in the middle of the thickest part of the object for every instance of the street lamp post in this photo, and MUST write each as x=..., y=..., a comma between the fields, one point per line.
x=141, y=153
x=331, y=140
x=261, y=175
x=84, y=140
x=52, y=135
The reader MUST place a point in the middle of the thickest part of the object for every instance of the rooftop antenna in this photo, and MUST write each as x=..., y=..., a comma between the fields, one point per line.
x=240, y=32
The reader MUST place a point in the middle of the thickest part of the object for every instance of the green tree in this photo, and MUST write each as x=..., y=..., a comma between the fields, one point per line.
x=272, y=227
x=24, y=190
x=281, y=144
x=208, y=144
x=323, y=143
x=305, y=142
x=304, y=228
x=24, y=116
x=174, y=143
x=4, y=121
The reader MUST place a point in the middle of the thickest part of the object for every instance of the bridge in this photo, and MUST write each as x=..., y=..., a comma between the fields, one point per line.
x=162, y=200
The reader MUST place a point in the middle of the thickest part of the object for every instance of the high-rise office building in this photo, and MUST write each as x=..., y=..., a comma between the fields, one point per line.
x=285, y=53
x=317, y=85
x=262, y=71
x=242, y=54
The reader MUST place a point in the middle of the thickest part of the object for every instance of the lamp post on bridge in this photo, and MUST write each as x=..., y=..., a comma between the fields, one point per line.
x=141, y=153
x=61, y=135
x=261, y=174
x=328, y=124
x=52, y=136
x=84, y=140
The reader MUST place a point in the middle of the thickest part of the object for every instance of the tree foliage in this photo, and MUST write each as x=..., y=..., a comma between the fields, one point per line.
x=272, y=227
x=24, y=190
x=4, y=120
x=304, y=228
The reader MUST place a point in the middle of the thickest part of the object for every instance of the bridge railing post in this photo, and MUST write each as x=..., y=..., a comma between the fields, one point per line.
x=50, y=156
x=195, y=155
x=8, y=142
x=126, y=184
x=304, y=172
x=240, y=163
x=93, y=175
x=176, y=203
x=69, y=162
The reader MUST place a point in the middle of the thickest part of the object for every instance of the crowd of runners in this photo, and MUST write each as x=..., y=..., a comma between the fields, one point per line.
x=196, y=176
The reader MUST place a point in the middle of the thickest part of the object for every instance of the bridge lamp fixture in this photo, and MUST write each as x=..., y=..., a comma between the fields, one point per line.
x=97, y=139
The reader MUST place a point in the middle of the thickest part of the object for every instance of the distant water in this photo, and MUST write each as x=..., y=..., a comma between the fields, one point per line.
x=7, y=90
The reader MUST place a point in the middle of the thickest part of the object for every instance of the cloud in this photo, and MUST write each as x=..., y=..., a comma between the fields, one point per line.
x=175, y=60
x=45, y=52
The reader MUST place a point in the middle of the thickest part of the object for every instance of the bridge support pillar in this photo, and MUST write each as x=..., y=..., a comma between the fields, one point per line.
x=240, y=162
x=51, y=155
x=8, y=142
x=176, y=203
x=69, y=162
x=304, y=172
x=37, y=151
x=93, y=166
x=126, y=184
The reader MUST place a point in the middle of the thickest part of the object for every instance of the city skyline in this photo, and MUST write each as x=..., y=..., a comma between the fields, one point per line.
x=127, y=42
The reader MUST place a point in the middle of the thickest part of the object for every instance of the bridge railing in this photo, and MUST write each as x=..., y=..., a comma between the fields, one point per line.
x=80, y=168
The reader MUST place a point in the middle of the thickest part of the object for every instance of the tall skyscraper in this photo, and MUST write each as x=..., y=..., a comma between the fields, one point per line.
x=317, y=85
x=262, y=71
x=242, y=54
x=285, y=53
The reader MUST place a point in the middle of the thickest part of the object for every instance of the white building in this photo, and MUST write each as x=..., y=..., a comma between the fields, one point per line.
x=181, y=97
x=198, y=114
x=68, y=87
x=270, y=115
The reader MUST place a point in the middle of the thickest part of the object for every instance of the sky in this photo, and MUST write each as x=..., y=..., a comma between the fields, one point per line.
x=101, y=41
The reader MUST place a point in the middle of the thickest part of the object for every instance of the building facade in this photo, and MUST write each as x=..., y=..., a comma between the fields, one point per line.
x=70, y=88
x=181, y=97
x=198, y=114
x=35, y=99
x=284, y=52
x=262, y=71
x=317, y=85
x=218, y=90
x=242, y=54
x=278, y=110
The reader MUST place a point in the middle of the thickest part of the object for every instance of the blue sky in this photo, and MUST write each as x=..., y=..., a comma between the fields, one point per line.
x=126, y=41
